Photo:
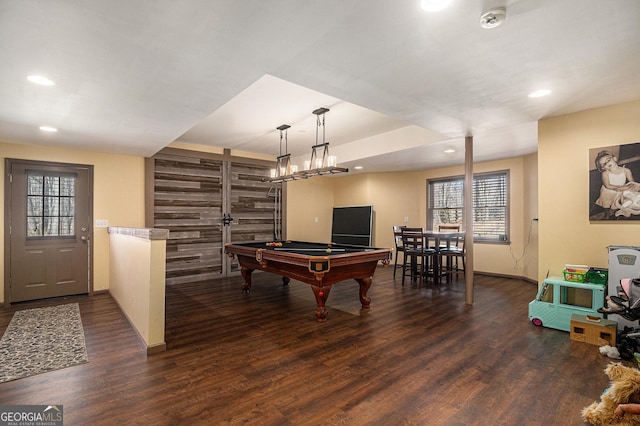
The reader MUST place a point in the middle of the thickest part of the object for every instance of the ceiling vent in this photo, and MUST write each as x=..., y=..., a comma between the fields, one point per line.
x=493, y=17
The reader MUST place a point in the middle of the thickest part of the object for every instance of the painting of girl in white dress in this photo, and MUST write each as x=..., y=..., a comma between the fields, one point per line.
x=614, y=191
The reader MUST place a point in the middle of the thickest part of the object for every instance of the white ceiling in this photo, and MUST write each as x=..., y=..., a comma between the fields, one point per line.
x=401, y=84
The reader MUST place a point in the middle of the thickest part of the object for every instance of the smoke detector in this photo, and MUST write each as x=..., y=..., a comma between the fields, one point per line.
x=493, y=17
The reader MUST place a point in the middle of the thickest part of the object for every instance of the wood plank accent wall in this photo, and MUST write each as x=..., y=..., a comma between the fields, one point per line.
x=188, y=202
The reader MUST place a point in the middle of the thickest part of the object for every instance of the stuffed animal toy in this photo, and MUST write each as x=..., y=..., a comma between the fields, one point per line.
x=624, y=389
x=610, y=351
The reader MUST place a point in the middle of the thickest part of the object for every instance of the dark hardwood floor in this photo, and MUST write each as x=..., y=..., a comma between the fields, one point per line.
x=419, y=356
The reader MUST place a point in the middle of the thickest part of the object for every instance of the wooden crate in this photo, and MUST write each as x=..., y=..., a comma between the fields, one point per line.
x=593, y=330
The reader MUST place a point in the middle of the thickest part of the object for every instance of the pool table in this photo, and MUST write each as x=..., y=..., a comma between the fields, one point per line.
x=319, y=264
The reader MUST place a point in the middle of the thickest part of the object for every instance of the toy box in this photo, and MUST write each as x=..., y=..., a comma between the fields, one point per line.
x=593, y=330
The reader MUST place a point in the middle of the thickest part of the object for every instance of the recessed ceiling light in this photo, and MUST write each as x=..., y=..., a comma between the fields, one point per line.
x=434, y=5
x=449, y=151
x=48, y=129
x=41, y=80
x=539, y=93
x=358, y=167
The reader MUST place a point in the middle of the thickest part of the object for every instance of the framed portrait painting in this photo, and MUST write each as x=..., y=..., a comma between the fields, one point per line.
x=614, y=182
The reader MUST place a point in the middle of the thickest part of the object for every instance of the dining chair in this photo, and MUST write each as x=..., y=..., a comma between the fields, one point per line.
x=413, y=246
x=447, y=227
x=453, y=256
x=416, y=254
x=397, y=237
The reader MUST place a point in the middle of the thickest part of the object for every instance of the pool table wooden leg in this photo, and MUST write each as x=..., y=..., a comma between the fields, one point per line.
x=365, y=283
x=246, y=274
x=321, y=293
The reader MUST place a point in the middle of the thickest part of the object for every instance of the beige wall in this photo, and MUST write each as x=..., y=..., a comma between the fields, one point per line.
x=566, y=235
x=396, y=196
x=118, y=196
x=530, y=208
x=137, y=284
x=309, y=210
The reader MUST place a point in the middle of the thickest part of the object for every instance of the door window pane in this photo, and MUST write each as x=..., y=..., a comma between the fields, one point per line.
x=34, y=227
x=51, y=185
x=50, y=205
x=66, y=206
x=34, y=185
x=34, y=206
x=67, y=186
x=66, y=226
x=50, y=226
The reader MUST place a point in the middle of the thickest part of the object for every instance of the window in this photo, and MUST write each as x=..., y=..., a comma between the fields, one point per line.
x=490, y=204
x=50, y=205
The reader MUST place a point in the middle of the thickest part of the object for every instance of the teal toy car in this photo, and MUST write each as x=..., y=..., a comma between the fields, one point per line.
x=557, y=300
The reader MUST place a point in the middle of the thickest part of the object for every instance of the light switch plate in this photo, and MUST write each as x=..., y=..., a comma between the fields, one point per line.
x=102, y=223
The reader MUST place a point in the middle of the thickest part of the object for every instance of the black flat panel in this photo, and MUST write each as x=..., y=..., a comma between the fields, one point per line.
x=352, y=225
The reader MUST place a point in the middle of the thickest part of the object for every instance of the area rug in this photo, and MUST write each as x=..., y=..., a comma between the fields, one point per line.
x=40, y=340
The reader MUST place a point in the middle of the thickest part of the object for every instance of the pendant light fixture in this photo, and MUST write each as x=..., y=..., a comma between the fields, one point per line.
x=284, y=170
x=319, y=164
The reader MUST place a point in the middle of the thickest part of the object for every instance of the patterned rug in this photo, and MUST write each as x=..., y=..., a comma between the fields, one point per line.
x=40, y=340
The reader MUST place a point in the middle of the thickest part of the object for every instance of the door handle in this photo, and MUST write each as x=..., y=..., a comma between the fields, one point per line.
x=226, y=219
x=84, y=238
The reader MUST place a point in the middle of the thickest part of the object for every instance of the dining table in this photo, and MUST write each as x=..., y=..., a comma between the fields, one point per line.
x=437, y=240
x=441, y=240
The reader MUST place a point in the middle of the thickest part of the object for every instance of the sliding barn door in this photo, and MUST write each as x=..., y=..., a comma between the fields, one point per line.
x=254, y=206
x=188, y=202
x=206, y=201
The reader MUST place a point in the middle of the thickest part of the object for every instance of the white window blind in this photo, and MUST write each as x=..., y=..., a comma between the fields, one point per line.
x=490, y=204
